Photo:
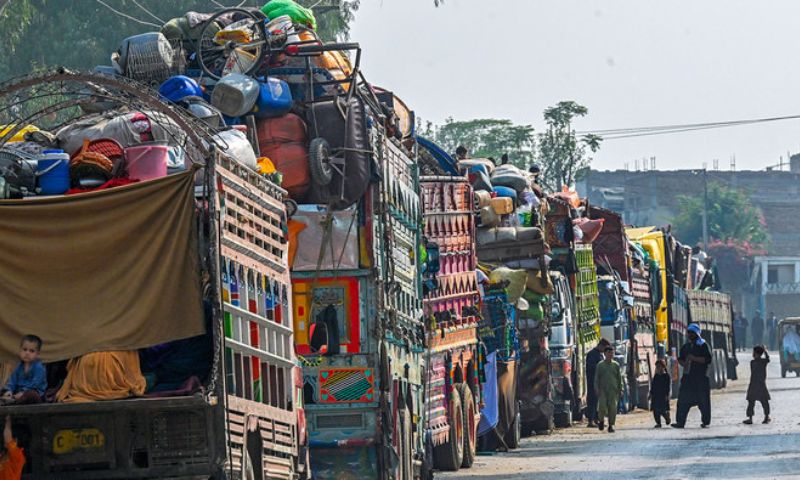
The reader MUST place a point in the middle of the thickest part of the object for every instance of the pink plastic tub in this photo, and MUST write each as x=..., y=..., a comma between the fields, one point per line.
x=146, y=161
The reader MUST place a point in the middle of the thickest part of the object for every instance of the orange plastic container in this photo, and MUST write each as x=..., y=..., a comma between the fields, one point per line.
x=283, y=140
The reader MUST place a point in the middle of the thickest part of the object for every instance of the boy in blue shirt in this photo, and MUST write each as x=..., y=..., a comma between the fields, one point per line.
x=29, y=380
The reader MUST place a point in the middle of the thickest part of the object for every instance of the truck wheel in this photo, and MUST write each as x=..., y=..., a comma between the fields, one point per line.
x=470, y=426
x=449, y=455
x=319, y=161
x=543, y=425
x=514, y=436
x=723, y=368
x=783, y=372
x=563, y=419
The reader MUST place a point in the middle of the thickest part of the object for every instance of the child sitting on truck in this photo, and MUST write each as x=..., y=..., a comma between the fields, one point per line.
x=29, y=380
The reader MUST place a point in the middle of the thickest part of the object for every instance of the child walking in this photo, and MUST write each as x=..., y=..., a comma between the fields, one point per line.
x=757, y=390
x=29, y=380
x=608, y=384
x=659, y=393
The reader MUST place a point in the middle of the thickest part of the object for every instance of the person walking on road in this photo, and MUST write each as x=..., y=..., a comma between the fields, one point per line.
x=659, y=393
x=757, y=329
x=757, y=390
x=695, y=389
x=608, y=386
x=594, y=357
x=772, y=329
x=739, y=330
x=744, y=324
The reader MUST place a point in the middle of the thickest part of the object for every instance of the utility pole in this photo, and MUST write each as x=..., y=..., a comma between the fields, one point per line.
x=705, y=209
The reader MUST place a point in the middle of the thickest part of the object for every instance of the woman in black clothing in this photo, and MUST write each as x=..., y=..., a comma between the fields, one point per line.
x=659, y=393
x=757, y=390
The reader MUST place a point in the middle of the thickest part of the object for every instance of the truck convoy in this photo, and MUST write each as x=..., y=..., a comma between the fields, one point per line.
x=289, y=283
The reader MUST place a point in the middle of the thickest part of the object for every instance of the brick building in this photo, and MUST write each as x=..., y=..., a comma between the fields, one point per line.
x=651, y=198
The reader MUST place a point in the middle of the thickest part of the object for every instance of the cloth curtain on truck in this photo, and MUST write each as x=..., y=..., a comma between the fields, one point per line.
x=108, y=270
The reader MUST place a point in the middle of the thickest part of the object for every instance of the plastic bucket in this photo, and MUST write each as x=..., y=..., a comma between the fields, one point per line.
x=147, y=161
x=52, y=172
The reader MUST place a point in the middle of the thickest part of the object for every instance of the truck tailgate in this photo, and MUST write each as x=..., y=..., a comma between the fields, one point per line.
x=136, y=438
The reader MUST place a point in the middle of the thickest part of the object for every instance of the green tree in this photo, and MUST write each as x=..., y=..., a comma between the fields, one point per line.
x=84, y=33
x=731, y=218
x=562, y=154
x=488, y=137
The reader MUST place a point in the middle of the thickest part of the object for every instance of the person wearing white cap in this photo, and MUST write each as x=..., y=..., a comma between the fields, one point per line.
x=695, y=389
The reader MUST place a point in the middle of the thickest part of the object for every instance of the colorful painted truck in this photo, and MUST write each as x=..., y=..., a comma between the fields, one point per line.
x=654, y=241
x=646, y=295
x=359, y=326
x=610, y=250
x=562, y=349
x=576, y=261
x=535, y=388
x=212, y=257
x=450, y=306
x=505, y=252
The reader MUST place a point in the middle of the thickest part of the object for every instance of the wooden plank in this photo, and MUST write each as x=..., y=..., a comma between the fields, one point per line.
x=248, y=350
x=237, y=404
x=247, y=315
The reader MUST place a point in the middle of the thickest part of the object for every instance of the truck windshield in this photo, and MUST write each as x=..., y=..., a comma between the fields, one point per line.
x=608, y=305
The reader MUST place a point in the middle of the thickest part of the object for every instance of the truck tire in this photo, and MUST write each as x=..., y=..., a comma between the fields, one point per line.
x=514, y=435
x=718, y=368
x=319, y=161
x=783, y=371
x=470, y=426
x=563, y=419
x=543, y=425
x=449, y=455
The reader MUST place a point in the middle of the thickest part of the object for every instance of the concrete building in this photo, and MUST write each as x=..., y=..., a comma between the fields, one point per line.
x=651, y=198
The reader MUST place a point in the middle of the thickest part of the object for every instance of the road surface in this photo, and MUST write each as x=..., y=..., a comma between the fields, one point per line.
x=727, y=450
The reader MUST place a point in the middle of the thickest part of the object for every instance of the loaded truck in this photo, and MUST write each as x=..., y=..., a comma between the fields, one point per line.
x=450, y=306
x=535, y=388
x=200, y=272
x=612, y=258
x=563, y=349
x=358, y=323
x=575, y=261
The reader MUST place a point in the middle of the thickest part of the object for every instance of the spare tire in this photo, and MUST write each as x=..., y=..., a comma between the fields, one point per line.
x=348, y=137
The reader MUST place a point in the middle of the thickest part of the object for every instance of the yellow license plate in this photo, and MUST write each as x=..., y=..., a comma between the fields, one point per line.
x=68, y=441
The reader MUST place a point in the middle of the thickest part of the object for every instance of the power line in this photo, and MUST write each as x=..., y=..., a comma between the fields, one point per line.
x=125, y=15
x=611, y=134
x=141, y=7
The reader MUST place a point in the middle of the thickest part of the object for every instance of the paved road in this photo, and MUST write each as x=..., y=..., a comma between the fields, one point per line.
x=727, y=450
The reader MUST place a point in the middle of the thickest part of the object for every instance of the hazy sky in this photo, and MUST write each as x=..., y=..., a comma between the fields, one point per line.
x=632, y=63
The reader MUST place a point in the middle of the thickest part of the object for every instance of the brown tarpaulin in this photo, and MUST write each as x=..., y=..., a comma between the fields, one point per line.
x=108, y=270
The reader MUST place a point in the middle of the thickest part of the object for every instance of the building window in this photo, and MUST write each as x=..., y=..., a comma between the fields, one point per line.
x=780, y=274
x=772, y=275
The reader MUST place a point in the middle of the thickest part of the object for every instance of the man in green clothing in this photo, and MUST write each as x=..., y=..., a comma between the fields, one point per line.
x=608, y=384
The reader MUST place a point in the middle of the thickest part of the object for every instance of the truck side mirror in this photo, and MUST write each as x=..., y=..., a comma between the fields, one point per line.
x=432, y=266
x=627, y=301
x=555, y=310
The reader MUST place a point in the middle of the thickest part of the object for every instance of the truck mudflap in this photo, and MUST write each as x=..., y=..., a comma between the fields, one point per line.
x=143, y=438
